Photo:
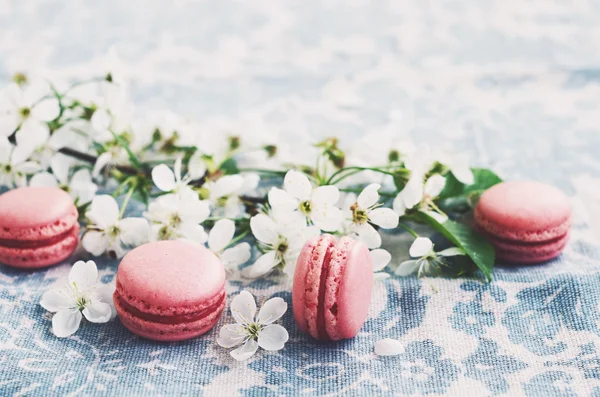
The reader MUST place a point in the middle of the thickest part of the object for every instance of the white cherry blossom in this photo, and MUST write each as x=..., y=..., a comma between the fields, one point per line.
x=318, y=205
x=415, y=194
x=225, y=193
x=427, y=260
x=381, y=258
x=30, y=106
x=252, y=331
x=365, y=212
x=388, y=347
x=80, y=295
x=107, y=232
x=281, y=241
x=168, y=180
x=14, y=164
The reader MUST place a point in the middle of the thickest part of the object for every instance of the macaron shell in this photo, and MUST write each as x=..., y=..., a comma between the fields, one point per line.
x=168, y=332
x=527, y=253
x=170, y=277
x=352, y=296
x=43, y=256
x=299, y=289
x=525, y=211
x=36, y=213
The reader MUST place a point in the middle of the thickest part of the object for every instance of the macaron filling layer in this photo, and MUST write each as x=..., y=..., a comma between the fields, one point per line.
x=12, y=243
x=321, y=323
x=172, y=319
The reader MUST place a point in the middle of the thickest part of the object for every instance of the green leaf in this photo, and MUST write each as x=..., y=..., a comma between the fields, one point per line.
x=477, y=248
x=229, y=167
x=484, y=179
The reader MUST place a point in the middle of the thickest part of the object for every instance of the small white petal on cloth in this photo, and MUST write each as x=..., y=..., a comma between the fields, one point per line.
x=368, y=235
x=388, y=347
x=263, y=265
x=237, y=255
x=369, y=196
x=243, y=308
x=66, y=322
x=83, y=275
x=53, y=301
x=420, y=247
x=298, y=185
x=98, y=312
x=452, y=252
x=384, y=217
x=221, y=234
x=231, y=335
x=163, y=177
x=246, y=351
x=271, y=311
x=134, y=231
x=264, y=228
x=104, y=211
x=95, y=242
x=435, y=185
x=273, y=337
x=407, y=268
x=43, y=179
x=380, y=259
x=379, y=276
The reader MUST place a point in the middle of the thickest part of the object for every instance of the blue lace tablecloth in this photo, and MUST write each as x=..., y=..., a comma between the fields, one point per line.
x=513, y=84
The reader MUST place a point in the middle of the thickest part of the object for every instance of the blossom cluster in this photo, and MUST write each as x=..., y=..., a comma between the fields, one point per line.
x=252, y=199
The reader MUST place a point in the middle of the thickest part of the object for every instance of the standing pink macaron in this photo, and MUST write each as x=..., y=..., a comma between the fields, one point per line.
x=332, y=287
x=170, y=290
x=38, y=227
x=527, y=222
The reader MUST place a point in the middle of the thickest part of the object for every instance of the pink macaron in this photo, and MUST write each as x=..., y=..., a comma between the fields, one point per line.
x=170, y=290
x=332, y=287
x=527, y=222
x=38, y=227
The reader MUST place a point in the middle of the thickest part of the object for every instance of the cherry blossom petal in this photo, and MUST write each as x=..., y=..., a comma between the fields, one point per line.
x=103, y=160
x=420, y=247
x=83, y=275
x=226, y=186
x=412, y=193
x=177, y=168
x=243, y=308
x=407, y=268
x=60, y=165
x=193, y=232
x=368, y=235
x=66, y=322
x=461, y=171
x=232, y=335
x=271, y=311
x=380, y=258
x=325, y=195
x=22, y=152
x=105, y=293
x=98, y=312
x=43, y=179
x=398, y=205
x=46, y=110
x=388, y=347
x=82, y=187
x=134, y=231
x=384, y=217
x=273, y=337
x=221, y=234
x=298, y=185
x=263, y=265
x=95, y=242
x=104, y=211
x=54, y=301
x=369, y=196
x=379, y=276
x=282, y=200
x=163, y=177
x=327, y=217
x=264, y=228
x=434, y=185
x=246, y=351
x=452, y=252
x=232, y=257
x=32, y=133
x=196, y=166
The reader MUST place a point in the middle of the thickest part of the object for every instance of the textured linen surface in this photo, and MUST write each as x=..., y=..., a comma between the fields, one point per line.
x=514, y=84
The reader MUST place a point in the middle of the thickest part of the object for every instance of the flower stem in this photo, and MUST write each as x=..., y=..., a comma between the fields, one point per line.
x=238, y=238
x=332, y=180
x=126, y=200
x=262, y=171
x=408, y=229
x=358, y=191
